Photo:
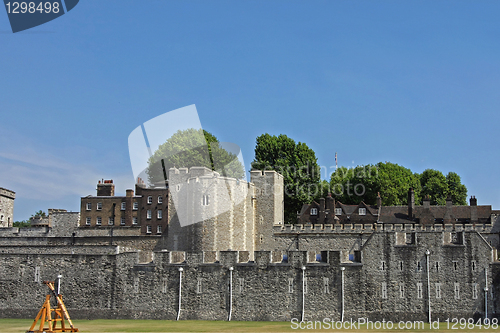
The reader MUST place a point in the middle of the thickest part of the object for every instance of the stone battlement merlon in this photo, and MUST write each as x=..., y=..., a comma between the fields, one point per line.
x=369, y=228
x=7, y=193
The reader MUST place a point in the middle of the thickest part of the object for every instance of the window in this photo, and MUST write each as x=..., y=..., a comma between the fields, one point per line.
x=437, y=266
x=419, y=290
x=98, y=220
x=206, y=199
x=134, y=220
x=87, y=221
x=136, y=284
x=122, y=221
x=362, y=211
x=158, y=229
x=438, y=290
x=123, y=206
x=419, y=266
x=37, y=274
x=198, y=287
x=457, y=290
x=326, y=285
x=290, y=285
x=384, y=290
x=135, y=206
x=150, y=200
x=455, y=265
x=338, y=211
x=314, y=211
x=111, y=221
x=305, y=285
x=241, y=284
x=89, y=206
x=148, y=229
x=474, y=291
x=382, y=266
x=165, y=286
x=401, y=291
x=473, y=265
x=159, y=214
x=401, y=266
x=178, y=187
x=160, y=199
x=99, y=206
x=148, y=214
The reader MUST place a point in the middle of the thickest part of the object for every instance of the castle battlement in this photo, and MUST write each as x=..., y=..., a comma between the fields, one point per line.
x=369, y=228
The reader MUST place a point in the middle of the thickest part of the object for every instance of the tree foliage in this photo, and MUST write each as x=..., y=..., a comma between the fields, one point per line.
x=193, y=148
x=298, y=165
x=393, y=181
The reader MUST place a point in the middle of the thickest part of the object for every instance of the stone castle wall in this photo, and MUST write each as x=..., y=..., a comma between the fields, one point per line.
x=117, y=285
x=6, y=208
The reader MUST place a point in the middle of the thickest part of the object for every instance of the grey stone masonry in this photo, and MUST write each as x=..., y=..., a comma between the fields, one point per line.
x=385, y=279
x=6, y=207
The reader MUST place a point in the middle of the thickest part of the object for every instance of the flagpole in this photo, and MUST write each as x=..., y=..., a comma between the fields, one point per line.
x=336, y=166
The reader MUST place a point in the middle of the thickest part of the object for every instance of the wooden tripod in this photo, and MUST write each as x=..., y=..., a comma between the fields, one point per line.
x=45, y=315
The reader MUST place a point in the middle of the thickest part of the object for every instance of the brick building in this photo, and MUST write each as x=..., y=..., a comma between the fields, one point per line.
x=145, y=211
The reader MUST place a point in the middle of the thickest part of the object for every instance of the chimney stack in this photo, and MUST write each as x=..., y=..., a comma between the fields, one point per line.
x=379, y=200
x=449, y=202
x=473, y=201
x=411, y=203
x=106, y=188
x=426, y=202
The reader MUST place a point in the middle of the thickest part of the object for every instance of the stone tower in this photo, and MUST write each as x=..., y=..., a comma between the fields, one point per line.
x=6, y=208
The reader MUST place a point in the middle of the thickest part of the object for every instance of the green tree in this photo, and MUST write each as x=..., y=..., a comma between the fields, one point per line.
x=298, y=165
x=434, y=185
x=189, y=148
x=22, y=224
x=40, y=213
x=393, y=183
x=456, y=189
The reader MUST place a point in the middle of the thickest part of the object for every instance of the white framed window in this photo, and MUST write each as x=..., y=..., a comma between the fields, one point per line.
x=159, y=214
x=160, y=199
x=241, y=284
x=88, y=220
x=419, y=290
x=99, y=206
x=122, y=221
x=290, y=285
x=98, y=220
x=384, y=290
x=134, y=220
x=206, y=200
x=362, y=211
x=37, y=274
x=401, y=291
x=111, y=221
x=158, y=229
x=148, y=229
x=457, y=290
x=123, y=205
x=198, y=287
x=314, y=211
x=474, y=291
x=326, y=285
x=338, y=211
x=150, y=200
x=89, y=206
x=438, y=290
x=135, y=205
x=148, y=214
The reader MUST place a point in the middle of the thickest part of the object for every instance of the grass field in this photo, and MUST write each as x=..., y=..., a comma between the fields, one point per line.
x=139, y=326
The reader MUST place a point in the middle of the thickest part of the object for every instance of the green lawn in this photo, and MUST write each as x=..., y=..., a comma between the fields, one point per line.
x=138, y=326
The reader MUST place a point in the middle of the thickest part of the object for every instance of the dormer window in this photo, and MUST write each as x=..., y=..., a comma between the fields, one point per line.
x=362, y=211
x=338, y=211
x=314, y=211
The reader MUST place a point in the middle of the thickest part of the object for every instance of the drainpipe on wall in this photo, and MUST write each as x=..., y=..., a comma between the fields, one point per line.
x=486, y=293
x=427, y=253
x=230, y=292
x=342, y=313
x=303, y=291
x=180, y=292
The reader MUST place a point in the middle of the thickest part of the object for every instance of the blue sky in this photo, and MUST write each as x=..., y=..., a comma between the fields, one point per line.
x=411, y=82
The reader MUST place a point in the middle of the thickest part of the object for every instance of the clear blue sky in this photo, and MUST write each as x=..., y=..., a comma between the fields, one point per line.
x=411, y=82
